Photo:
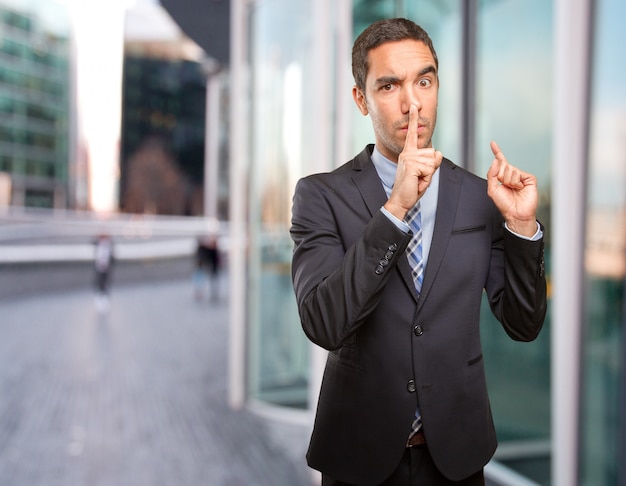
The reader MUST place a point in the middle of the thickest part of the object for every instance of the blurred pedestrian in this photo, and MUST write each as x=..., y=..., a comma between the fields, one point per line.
x=207, y=267
x=103, y=266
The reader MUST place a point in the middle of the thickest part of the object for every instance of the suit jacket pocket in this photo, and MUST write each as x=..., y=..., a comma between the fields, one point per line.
x=469, y=229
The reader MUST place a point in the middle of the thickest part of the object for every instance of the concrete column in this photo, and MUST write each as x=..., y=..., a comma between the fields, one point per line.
x=571, y=132
x=238, y=189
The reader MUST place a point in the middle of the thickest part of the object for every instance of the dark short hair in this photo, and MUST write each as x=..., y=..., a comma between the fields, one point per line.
x=381, y=32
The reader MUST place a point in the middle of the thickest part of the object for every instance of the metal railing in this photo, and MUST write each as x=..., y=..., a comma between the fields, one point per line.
x=29, y=234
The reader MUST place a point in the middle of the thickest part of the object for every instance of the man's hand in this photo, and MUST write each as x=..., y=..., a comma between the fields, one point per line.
x=416, y=167
x=514, y=193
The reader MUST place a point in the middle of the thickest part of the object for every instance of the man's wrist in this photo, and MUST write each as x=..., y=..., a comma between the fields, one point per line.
x=396, y=210
x=533, y=234
x=400, y=224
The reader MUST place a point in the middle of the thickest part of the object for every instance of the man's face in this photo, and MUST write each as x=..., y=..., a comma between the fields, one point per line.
x=400, y=74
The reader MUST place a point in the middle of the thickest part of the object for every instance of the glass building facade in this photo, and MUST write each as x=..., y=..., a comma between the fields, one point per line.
x=283, y=71
x=497, y=65
x=35, y=102
x=603, y=358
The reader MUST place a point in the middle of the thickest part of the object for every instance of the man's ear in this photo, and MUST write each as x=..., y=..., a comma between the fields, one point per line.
x=359, y=99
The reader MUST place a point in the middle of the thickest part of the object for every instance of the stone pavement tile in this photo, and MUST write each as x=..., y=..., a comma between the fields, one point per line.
x=137, y=396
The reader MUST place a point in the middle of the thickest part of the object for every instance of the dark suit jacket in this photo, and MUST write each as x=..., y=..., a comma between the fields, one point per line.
x=389, y=348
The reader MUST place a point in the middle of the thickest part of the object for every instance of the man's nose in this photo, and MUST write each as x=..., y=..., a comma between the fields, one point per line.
x=410, y=97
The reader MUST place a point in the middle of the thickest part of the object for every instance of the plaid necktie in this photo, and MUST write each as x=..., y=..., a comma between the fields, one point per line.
x=414, y=255
x=414, y=251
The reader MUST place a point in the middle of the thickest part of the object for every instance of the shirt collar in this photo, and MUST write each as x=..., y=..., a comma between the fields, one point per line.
x=385, y=168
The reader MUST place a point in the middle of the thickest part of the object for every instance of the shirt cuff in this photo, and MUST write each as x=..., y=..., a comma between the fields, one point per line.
x=536, y=237
x=402, y=225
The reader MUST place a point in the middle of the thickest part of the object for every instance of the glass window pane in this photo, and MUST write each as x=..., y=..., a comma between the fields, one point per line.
x=513, y=107
x=604, y=347
x=281, y=50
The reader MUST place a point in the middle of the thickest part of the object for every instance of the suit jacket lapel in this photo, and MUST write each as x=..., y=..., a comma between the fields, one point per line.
x=371, y=189
x=449, y=191
x=367, y=181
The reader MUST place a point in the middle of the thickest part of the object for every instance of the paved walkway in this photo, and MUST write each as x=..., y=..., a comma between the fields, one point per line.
x=134, y=397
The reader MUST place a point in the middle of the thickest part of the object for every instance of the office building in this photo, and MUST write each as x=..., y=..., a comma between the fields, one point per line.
x=164, y=123
x=35, y=92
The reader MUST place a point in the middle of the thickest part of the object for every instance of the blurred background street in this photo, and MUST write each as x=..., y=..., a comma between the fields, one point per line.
x=133, y=396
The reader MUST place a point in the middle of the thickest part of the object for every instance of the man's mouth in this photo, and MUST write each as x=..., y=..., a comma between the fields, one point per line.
x=420, y=128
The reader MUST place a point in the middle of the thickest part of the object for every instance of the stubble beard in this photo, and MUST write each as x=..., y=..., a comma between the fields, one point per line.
x=385, y=135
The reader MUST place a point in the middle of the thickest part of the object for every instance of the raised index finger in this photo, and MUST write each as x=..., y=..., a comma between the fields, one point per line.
x=497, y=153
x=412, y=131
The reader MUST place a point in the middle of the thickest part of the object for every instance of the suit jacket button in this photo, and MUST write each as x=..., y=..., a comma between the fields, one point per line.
x=410, y=386
x=418, y=330
x=379, y=270
x=393, y=247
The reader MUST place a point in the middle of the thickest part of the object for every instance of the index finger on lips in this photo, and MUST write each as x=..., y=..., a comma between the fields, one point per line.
x=412, y=131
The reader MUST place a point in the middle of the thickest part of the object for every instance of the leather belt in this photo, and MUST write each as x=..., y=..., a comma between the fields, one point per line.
x=416, y=439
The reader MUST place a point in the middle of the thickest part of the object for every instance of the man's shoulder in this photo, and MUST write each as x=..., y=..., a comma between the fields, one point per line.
x=359, y=162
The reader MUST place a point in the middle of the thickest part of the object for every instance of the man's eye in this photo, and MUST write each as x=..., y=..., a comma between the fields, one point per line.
x=386, y=87
x=424, y=83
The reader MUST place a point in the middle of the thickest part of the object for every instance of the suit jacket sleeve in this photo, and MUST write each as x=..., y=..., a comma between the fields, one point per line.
x=521, y=305
x=339, y=270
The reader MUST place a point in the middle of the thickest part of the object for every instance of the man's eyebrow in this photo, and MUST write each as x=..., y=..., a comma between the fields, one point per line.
x=387, y=80
x=427, y=70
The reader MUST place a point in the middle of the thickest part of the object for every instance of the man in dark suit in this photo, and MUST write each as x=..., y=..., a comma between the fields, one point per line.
x=404, y=398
